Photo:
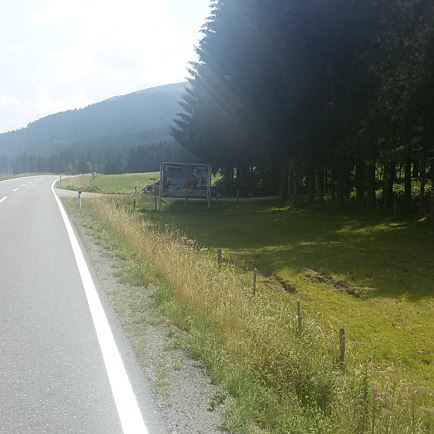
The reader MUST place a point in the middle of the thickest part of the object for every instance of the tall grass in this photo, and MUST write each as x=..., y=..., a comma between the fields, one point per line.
x=275, y=378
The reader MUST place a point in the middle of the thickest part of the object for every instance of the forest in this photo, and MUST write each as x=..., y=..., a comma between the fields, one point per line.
x=146, y=157
x=124, y=133
x=327, y=102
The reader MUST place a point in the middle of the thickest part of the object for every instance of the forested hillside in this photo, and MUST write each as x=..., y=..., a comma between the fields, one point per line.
x=329, y=102
x=124, y=133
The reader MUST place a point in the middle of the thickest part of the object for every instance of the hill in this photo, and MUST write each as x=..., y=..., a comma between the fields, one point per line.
x=98, y=131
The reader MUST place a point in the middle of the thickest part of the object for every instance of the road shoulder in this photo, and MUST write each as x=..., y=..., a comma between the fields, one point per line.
x=179, y=385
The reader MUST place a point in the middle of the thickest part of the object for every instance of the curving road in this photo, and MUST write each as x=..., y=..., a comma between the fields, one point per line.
x=60, y=369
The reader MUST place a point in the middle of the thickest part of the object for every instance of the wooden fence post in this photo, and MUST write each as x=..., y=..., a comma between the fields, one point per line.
x=299, y=317
x=254, y=282
x=79, y=200
x=134, y=204
x=219, y=258
x=342, y=348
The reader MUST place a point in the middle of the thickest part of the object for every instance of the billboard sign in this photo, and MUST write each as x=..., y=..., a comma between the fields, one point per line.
x=185, y=180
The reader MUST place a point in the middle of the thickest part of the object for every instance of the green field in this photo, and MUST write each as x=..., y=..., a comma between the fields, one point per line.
x=125, y=183
x=370, y=275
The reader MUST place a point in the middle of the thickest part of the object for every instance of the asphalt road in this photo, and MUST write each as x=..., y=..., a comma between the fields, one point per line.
x=59, y=370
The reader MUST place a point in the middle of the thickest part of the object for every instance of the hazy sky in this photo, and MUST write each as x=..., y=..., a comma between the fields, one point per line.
x=62, y=54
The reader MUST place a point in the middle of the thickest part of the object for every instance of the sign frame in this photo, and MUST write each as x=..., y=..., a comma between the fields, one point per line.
x=163, y=169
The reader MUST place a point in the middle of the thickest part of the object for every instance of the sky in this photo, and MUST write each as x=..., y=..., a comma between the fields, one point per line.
x=62, y=54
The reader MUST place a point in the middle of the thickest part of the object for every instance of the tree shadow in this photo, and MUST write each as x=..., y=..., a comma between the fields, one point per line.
x=386, y=258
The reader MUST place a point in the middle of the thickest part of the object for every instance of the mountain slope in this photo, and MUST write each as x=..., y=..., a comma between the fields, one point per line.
x=127, y=120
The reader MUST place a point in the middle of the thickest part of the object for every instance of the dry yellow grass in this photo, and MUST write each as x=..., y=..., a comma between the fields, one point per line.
x=301, y=386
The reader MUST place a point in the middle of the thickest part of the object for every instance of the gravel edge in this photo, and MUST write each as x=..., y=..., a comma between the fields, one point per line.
x=180, y=385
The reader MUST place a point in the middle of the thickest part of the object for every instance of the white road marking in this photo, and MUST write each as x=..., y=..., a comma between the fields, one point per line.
x=16, y=189
x=14, y=179
x=126, y=403
x=23, y=185
x=3, y=199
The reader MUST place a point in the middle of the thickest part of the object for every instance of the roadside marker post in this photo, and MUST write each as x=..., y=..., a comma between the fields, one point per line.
x=299, y=317
x=79, y=200
x=208, y=193
x=219, y=258
x=254, y=282
x=342, y=348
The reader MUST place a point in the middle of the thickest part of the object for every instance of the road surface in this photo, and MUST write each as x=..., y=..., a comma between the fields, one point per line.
x=60, y=368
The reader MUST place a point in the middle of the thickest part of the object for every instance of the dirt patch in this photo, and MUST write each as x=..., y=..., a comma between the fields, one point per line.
x=319, y=276
x=273, y=281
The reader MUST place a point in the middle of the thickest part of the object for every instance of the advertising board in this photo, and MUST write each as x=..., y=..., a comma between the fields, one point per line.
x=185, y=180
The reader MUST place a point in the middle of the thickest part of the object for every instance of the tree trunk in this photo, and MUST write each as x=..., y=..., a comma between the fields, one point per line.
x=416, y=169
x=342, y=183
x=320, y=186
x=407, y=179
x=295, y=185
x=311, y=185
x=290, y=183
x=391, y=176
x=384, y=189
x=282, y=184
x=228, y=175
x=432, y=192
x=422, y=181
x=388, y=181
x=422, y=178
x=333, y=187
x=371, y=199
x=360, y=182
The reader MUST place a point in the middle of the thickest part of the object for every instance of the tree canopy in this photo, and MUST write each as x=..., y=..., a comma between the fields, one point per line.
x=322, y=94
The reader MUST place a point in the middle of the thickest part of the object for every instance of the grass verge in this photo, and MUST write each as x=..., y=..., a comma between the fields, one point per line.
x=124, y=184
x=275, y=378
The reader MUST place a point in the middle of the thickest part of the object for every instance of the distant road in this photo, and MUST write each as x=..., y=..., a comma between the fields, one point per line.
x=60, y=370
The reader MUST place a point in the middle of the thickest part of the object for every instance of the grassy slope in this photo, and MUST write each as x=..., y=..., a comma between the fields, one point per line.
x=124, y=183
x=390, y=262
x=112, y=183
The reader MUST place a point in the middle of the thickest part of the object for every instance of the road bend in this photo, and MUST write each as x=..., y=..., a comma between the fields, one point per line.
x=61, y=370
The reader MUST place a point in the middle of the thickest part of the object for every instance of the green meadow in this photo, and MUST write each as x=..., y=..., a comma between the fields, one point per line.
x=370, y=275
x=124, y=183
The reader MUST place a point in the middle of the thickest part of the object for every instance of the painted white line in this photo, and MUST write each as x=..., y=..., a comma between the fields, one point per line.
x=16, y=189
x=3, y=199
x=14, y=179
x=23, y=185
x=126, y=403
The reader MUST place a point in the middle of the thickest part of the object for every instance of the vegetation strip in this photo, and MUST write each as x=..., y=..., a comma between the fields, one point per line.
x=276, y=378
